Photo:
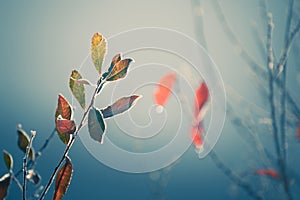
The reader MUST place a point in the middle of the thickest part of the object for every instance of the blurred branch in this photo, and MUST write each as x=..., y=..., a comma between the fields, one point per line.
x=283, y=86
x=270, y=66
x=256, y=68
x=198, y=14
x=233, y=176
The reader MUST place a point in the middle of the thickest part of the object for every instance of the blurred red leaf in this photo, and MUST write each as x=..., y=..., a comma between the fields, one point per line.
x=200, y=98
x=268, y=172
x=298, y=132
x=164, y=88
x=63, y=179
x=196, y=135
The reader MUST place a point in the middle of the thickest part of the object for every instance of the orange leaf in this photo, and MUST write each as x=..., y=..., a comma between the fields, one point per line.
x=196, y=135
x=268, y=172
x=164, y=88
x=200, y=98
x=63, y=179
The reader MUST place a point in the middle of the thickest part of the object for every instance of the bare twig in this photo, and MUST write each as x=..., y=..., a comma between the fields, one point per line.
x=233, y=176
x=283, y=86
x=39, y=152
x=71, y=142
x=28, y=149
x=270, y=66
x=16, y=180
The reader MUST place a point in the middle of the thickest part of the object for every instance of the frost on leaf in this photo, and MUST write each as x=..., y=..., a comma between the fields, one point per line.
x=63, y=180
x=121, y=105
x=98, y=51
x=164, y=88
x=96, y=125
x=4, y=185
x=76, y=84
x=23, y=141
x=64, y=110
x=8, y=159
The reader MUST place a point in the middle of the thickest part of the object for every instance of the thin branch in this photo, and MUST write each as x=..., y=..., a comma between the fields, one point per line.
x=270, y=66
x=256, y=68
x=198, y=13
x=71, y=142
x=16, y=180
x=283, y=86
x=39, y=152
x=28, y=149
x=233, y=176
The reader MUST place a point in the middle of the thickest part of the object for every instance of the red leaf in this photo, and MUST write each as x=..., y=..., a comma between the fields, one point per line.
x=200, y=98
x=4, y=185
x=164, y=88
x=196, y=135
x=121, y=105
x=65, y=126
x=64, y=110
x=298, y=132
x=63, y=179
x=268, y=172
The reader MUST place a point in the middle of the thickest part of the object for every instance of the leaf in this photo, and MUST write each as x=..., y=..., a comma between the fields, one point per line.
x=96, y=125
x=65, y=126
x=268, y=172
x=200, y=98
x=23, y=141
x=77, y=88
x=63, y=180
x=33, y=176
x=298, y=133
x=164, y=88
x=4, y=185
x=121, y=105
x=8, y=159
x=81, y=81
x=64, y=110
x=98, y=51
x=114, y=61
x=119, y=70
x=196, y=135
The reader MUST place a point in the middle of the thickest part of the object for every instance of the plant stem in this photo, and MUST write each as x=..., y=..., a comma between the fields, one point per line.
x=38, y=153
x=28, y=148
x=71, y=142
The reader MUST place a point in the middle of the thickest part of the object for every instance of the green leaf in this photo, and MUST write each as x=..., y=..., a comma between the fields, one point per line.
x=63, y=180
x=77, y=87
x=121, y=105
x=4, y=185
x=119, y=70
x=23, y=141
x=33, y=176
x=96, y=125
x=64, y=110
x=98, y=51
x=8, y=159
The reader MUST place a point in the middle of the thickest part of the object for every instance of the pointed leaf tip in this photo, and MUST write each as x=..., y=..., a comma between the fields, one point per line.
x=8, y=159
x=63, y=180
x=121, y=105
x=98, y=51
x=77, y=87
x=96, y=125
